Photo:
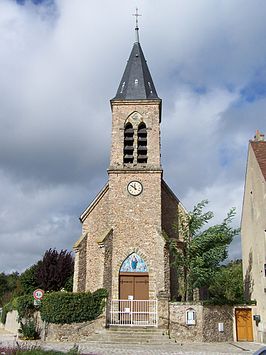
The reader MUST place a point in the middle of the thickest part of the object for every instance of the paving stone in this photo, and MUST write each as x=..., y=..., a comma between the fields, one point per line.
x=8, y=339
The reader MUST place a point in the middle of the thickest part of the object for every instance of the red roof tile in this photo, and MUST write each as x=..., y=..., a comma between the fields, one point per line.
x=259, y=149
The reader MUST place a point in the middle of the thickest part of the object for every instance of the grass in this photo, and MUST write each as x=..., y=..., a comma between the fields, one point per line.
x=37, y=351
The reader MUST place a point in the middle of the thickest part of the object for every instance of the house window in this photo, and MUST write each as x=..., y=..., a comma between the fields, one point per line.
x=128, y=143
x=142, y=143
x=265, y=270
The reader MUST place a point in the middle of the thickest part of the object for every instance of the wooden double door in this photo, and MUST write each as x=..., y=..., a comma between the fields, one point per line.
x=134, y=284
x=244, y=329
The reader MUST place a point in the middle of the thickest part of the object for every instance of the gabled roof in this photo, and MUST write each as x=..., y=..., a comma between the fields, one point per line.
x=259, y=149
x=172, y=194
x=100, y=195
x=136, y=82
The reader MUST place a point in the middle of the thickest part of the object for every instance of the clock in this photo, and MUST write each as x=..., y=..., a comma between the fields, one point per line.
x=134, y=188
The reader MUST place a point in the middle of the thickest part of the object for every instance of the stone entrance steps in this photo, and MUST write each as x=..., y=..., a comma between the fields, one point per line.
x=132, y=335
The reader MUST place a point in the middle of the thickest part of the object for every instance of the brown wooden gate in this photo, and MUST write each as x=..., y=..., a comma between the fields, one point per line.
x=244, y=329
x=134, y=284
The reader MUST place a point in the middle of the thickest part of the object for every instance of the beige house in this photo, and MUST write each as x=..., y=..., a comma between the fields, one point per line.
x=253, y=233
x=122, y=247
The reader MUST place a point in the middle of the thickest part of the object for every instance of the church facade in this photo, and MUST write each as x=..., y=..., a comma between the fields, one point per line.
x=123, y=247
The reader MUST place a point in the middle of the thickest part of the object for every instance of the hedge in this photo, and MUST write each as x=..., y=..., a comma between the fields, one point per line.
x=60, y=307
x=23, y=304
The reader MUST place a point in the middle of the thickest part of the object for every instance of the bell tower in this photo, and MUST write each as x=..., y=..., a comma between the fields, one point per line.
x=136, y=111
x=135, y=172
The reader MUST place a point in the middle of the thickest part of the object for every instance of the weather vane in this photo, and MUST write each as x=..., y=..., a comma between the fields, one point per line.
x=137, y=15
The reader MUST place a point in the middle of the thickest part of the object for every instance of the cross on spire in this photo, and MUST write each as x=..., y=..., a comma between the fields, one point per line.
x=137, y=15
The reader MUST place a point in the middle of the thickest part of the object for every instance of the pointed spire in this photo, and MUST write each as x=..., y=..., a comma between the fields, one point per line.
x=136, y=82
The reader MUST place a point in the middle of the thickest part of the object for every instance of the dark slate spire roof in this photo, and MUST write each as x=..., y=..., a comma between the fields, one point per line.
x=136, y=83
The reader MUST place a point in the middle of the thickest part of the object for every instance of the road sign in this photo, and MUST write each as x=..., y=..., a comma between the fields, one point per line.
x=38, y=294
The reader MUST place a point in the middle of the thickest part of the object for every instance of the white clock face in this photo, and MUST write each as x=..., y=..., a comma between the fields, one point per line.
x=134, y=188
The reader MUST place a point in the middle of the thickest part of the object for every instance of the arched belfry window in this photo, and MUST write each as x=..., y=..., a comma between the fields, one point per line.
x=134, y=263
x=128, y=143
x=142, y=143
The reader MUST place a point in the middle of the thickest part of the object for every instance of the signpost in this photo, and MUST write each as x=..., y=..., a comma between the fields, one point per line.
x=38, y=295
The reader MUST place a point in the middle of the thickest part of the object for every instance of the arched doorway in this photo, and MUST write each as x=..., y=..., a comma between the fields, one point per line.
x=134, y=279
x=134, y=308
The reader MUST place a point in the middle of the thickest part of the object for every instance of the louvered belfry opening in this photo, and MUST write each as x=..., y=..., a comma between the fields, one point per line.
x=142, y=144
x=128, y=144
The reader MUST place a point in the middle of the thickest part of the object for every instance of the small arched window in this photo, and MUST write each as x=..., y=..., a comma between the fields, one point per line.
x=128, y=143
x=142, y=143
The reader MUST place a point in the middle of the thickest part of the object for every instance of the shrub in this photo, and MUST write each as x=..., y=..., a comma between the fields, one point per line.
x=59, y=307
x=25, y=306
x=29, y=329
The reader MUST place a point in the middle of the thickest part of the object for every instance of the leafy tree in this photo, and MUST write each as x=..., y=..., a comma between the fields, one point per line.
x=227, y=285
x=203, y=250
x=54, y=270
x=9, y=287
x=3, y=286
x=28, y=279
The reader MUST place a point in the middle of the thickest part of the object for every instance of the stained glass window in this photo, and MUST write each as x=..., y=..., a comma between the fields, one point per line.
x=134, y=263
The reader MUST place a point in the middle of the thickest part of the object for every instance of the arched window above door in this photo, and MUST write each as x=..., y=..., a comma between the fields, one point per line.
x=134, y=263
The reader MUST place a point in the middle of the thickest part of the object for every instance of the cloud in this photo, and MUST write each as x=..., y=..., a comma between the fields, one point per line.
x=193, y=144
x=62, y=61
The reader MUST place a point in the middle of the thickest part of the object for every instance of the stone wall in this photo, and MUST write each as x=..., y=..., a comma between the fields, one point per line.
x=80, y=266
x=170, y=206
x=74, y=332
x=90, y=253
x=12, y=325
x=212, y=316
x=59, y=332
x=136, y=223
x=178, y=328
x=206, y=328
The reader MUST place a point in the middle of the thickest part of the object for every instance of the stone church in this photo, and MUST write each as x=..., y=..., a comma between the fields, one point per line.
x=122, y=247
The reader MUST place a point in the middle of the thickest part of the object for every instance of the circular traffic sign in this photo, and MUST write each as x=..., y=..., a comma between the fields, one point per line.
x=38, y=294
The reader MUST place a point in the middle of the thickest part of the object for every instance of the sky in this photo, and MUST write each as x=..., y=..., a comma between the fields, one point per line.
x=61, y=62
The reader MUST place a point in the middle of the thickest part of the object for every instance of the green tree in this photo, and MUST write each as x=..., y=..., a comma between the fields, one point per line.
x=227, y=285
x=3, y=287
x=9, y=287
x=203, y=251
x=28, y=279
